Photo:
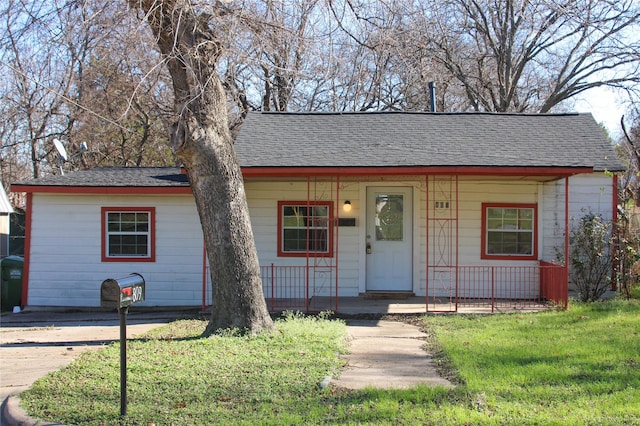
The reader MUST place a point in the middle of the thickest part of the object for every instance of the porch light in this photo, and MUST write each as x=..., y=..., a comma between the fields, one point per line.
x=347, y=206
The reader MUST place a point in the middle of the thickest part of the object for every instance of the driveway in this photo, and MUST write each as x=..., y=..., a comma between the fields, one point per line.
x=32, y=344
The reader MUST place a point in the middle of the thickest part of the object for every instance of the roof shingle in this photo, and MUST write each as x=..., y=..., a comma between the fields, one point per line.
x=389, y=139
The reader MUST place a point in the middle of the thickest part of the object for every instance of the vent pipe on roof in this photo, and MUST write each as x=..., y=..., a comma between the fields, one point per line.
x=432, y=95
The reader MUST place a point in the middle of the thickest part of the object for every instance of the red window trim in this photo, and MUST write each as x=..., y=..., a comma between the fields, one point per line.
x=281, y=252
x=152, y=234
x=483, y=253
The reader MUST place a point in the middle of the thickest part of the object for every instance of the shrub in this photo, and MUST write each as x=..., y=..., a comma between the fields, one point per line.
x=591, y=256
x=628, y=252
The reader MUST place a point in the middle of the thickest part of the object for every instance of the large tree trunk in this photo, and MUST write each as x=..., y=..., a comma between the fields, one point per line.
x=205, y=146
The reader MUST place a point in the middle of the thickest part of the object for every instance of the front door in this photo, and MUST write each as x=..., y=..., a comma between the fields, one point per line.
x=389, y=239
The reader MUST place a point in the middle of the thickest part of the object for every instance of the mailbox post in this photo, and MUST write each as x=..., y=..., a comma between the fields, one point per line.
x=121, y=293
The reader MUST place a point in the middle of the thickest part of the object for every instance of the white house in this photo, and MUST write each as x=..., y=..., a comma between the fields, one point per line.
x=453, y=207
x=5, y=211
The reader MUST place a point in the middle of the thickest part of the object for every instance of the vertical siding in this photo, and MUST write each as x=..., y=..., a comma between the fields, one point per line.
x=587, y=193
x=66, y=267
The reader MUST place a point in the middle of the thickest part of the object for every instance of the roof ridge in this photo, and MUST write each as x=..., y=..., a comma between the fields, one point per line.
x=487, y=113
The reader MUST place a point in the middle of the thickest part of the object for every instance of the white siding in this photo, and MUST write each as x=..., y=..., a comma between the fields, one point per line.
x=587, y=193
x=263, y=206
x=472, y=193
x=4, y=235
x=66, y=267
x=590, y=192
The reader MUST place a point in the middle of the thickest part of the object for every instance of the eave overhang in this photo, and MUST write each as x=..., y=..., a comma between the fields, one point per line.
x=413, y=170
x=102, y=190
x=544, y=173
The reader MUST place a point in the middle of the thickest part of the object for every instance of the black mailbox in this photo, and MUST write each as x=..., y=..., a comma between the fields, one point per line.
x=122, y=292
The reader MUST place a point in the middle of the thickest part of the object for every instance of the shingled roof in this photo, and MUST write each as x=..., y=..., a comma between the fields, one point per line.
x=388, y=139
x=115, y=177
x=392, y=139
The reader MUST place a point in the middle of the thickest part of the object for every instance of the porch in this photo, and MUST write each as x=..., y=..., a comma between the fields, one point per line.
x=354, y=306
x=421, y=221
x=431, y=227
x=465, y=289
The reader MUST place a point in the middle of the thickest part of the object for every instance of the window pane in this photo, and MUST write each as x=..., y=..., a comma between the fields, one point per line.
x=113, y=222
x=127, y=222
x=494, y=243
x=142, y=222
x=389, y=217
x=321, y=211
x=294, y=239
x=141, y=245
x=318, y=241
x=292, y=221
x=525, y=243
x=494, y=223
x=318, y=222
x=509, y=242
x=526, y=219
x=494, y=213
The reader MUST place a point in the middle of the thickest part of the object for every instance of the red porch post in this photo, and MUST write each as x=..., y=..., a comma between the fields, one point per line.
x=28, y=214
x=614, y=220
x=566, y=242
x=204, y=278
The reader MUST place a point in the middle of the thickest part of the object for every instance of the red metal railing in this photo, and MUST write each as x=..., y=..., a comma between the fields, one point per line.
x=284, y=287
x=501, y=286
x=299, y=288
x=511, y=287
x=554, y=283
x=290, y=288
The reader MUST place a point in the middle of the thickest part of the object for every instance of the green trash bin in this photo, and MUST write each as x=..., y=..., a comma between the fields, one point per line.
x=11, y=284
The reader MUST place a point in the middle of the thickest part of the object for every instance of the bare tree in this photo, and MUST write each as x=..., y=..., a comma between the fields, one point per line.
x=73, y=72
x=131, y=102
x=41, y=80
x=506, y=55
x=187, y=37
x=273, y=58
x=627, y=234
x=530, y=55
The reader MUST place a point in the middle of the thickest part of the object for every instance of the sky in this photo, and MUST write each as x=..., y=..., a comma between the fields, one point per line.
x=603, y=104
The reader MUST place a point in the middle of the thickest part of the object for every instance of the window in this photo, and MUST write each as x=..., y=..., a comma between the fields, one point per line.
x=305, y=227
x=128, y=234
x=509, y=231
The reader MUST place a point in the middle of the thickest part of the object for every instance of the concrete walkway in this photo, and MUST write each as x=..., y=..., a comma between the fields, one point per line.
x=387, y=354
x=382, y=354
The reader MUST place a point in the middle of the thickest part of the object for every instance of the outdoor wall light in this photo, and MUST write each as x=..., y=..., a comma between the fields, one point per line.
x=347, y=206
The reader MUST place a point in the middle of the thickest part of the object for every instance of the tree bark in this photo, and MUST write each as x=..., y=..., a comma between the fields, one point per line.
x=203, y=143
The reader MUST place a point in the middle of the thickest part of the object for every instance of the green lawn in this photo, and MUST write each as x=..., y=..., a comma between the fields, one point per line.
x=580, y=366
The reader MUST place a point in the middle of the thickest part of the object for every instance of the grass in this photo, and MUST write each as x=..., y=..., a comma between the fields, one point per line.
x=580, y=366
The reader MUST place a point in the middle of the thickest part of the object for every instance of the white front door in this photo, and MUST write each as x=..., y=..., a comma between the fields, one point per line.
x=389, y=239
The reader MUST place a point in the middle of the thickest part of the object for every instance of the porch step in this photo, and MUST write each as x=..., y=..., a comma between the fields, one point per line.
x=376, y=295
